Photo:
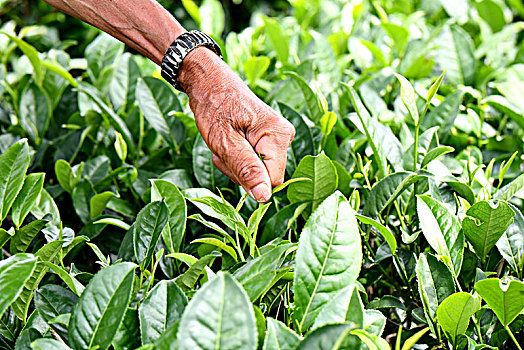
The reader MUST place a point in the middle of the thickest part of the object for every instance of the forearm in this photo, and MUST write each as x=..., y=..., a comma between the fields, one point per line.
x=144, y=25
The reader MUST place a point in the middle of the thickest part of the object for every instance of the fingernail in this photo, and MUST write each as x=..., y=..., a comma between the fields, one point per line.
x=261, y=193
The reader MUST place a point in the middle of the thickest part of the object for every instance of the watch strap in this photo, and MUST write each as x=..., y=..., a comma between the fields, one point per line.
x=179, y=49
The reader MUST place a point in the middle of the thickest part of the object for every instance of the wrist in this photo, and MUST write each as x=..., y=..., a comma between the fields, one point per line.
x=197, y=68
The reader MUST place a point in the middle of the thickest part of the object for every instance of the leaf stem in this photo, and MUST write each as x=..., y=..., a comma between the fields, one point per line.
x=513, y=337
x=417, y=130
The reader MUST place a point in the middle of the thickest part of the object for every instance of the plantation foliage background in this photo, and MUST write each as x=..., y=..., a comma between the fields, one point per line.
x=401, y=225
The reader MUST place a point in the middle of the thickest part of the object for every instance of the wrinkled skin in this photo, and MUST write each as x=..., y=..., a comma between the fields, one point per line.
x=236, y=125
x=232, y=120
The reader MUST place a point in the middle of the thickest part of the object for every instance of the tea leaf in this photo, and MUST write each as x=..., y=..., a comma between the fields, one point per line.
x=332, y=225
x=230, y=326
x=101, y=307
x=454, y=313
x=506, y=300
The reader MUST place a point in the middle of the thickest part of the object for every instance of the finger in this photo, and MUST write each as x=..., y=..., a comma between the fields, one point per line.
x=241, y=159
x=274, y=147
x=224, y=169
x=274, y=158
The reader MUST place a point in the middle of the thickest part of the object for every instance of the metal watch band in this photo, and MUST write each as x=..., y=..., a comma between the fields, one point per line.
x=179, y=49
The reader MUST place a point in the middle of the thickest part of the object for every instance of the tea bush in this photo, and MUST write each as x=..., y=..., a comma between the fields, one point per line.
x=400, y=225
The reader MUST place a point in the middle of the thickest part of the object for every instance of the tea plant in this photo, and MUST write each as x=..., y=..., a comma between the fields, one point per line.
x=400, y=225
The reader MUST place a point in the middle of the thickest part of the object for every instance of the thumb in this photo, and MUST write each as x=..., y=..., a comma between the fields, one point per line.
x=241, y=159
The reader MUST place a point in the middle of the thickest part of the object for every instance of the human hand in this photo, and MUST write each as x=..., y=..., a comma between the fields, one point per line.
x=249, y=140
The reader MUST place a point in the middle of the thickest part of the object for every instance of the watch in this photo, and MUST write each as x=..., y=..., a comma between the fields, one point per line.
x=179, y=49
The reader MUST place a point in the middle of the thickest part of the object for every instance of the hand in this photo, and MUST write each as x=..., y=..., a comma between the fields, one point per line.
x=249, y=140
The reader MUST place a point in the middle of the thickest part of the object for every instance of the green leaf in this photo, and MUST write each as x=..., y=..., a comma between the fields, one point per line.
x=44, y=206
x=35, y=112
x=14, y=273
x=128, y=335
x=176, y=204
x=371, y=340
x=115, y=222
x=219, y=244
x=278, y=38
x=346, y=306
x=5, y=236
x=81, y=196
x=492, y=13
x=52, y=301
x=400, y=36
x=511, y=243
x=13, y=165
x=326, y=337
x=374, y=322
x=27, y=197
x=454, y=312
x=162, y=307
x=213, y=226
x=513, y=189
x=101, y=53
x=484, y=225
x=281, y=222
x=122, y=88
x=435, y=283
x=65, y=175
x=407, y=94
x=219, y=316
x=444, y=114
x=215, y=20
x=48, y=252
x=504, y=105
x=148, y=226
x=389, y=237
x=319, y=256
x=435, y=153
x=25, y=235
x=327, y=122
x=411, y=341
x=205, y=172
x=48, y=344
x=366, y=125
x=323, y=182
x=192, y=9
x=101, y=308
x=442, y=231
x=220, y=209
x=456, y=55
x=120, y=146
x=462, y=190
x=98, y=203
x=255, y=67
x=386, y=302
x=279, y=337
x=156, y=100
x=506, y=300
x=302, y=145
x=116, y=122
x=68, y=279
x=287, y=183
x=387, y=190
x=434, y=88
x=55, y=67
x=31, y=54
x=187, y=280
x=315, y=113
x=258, y=274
